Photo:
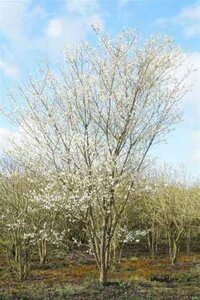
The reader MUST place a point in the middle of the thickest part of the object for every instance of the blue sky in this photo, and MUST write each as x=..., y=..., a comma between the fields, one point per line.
x=33, y=29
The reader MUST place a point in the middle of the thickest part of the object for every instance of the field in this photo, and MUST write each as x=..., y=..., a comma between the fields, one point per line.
x=76, y=277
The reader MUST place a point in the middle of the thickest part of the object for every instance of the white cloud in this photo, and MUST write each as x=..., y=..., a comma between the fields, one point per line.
x=30, y=29
x=191, y=12
x=16, y=21
x=60, y=32
x=123, y=3
x=194, y=81
x=82, y=7
x=13, y=16
x=8, y=69
x=196, y=146
x=55, y=28
x=192, y=101
x=72, y=25
x=188, y=18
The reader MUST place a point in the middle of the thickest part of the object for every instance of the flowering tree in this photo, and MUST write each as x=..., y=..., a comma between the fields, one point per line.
x=95, y=120
x=46, y=213
x=17, y=222
x=55, y=214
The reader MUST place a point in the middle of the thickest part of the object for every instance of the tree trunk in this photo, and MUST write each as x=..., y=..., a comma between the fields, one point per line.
x=103, y=274
x=104, y=257
x=170, y=245
x=23, y=263
x=173, y=249
x=188, y=243
x=174, y=252
x=42, y=245
x=115, y=253
x=151, y=244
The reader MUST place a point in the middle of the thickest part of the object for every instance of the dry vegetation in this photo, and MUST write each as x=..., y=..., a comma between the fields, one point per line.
x=77, y=278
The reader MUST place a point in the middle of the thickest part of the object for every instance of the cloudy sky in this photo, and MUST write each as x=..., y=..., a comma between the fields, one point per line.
x=33, y=29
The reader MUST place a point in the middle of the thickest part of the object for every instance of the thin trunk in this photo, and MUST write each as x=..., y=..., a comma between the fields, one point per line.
x=42, y=245
x=170, y=244
x=173, y=249
x=114, y=254
x=151, y=244
x=188, y=243
x=104, y=254
x=174, y=252
x=103, y=273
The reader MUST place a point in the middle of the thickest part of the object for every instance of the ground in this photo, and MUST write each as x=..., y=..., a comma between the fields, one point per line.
x=76, y=277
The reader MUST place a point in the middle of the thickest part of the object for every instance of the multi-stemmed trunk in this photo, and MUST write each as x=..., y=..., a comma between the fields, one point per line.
x=21, y=260
x=102, y=246
x=42, y=246
x=152, y=240
x=173, y=247
x=103, y=270
x=173, y=240
x=116, y=252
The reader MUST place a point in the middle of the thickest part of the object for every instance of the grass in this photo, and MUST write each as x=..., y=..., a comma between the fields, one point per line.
x=78, y=279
